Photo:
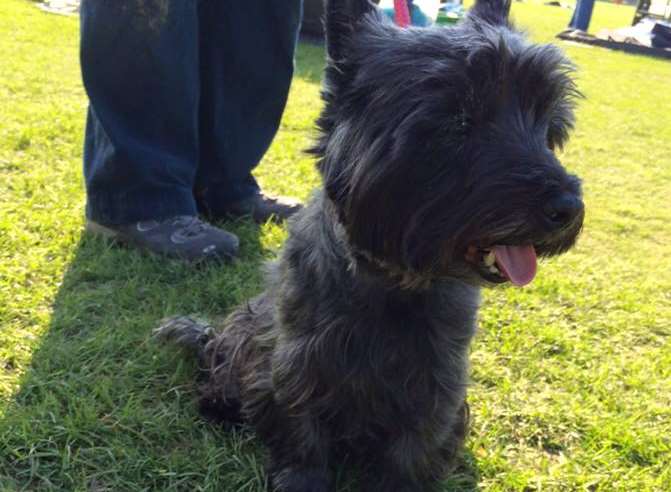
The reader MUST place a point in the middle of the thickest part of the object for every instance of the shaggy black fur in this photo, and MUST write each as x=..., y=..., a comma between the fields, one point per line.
x=436, y=145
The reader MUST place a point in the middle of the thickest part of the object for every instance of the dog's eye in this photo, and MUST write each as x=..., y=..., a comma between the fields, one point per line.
x=550, y=143
x=550, y=139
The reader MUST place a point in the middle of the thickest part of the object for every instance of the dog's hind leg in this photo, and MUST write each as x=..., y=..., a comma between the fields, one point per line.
x=219, y=405
x=220, y=409
x=190, y=333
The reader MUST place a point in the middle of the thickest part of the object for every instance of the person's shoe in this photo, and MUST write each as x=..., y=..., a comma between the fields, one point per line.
x=184, y=236
x=261, y=208
x=570, y=32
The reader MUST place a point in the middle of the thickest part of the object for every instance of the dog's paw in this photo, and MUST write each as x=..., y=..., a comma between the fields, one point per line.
x=291, y=479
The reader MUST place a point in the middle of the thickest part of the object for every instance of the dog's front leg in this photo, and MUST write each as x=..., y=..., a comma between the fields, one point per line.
x=405, y=465
x=299, y=452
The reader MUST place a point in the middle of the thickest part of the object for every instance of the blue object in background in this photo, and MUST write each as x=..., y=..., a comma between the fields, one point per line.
x=582, y=15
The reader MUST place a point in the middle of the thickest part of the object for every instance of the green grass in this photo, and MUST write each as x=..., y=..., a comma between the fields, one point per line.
x=571, y=377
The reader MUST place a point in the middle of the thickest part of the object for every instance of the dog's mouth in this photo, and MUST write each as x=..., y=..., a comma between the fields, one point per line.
x=504, y=263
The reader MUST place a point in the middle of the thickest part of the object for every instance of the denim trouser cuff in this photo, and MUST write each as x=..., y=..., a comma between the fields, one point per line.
x=116, y=208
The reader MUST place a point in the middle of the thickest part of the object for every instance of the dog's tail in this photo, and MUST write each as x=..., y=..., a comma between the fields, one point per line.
x=190, y=333
x=494, y=12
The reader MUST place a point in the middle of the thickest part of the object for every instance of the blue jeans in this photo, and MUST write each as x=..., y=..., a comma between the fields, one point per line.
x=185, y=97
x=582, y=15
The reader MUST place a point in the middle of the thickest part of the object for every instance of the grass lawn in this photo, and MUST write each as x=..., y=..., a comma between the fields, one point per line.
x=571, y=379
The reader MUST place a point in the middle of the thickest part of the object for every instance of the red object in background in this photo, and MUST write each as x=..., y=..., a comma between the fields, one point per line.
x=401, y=13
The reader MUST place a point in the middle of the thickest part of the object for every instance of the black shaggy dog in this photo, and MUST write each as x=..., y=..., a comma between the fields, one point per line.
x=439, y=177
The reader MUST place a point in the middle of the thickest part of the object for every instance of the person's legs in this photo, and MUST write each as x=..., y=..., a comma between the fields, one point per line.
x=571, y=23
x=582, y=15
x=247, y=51
x=140, y=67
x=139, y=64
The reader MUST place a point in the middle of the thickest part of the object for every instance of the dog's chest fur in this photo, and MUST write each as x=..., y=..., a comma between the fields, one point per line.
x=375, y=355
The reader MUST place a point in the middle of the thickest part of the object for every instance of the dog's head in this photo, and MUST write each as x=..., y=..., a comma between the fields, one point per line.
x=438, y=144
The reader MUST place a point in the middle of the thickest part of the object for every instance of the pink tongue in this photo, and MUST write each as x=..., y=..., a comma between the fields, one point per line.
x=518, y=263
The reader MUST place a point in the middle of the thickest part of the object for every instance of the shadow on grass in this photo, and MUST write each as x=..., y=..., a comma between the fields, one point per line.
x=103, y=407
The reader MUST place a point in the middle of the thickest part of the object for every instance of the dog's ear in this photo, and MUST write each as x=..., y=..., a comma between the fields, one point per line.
x=341, y=18
x=494, y=12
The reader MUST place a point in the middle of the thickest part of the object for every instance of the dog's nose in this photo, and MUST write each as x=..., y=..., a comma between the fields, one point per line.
x=561, y=210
